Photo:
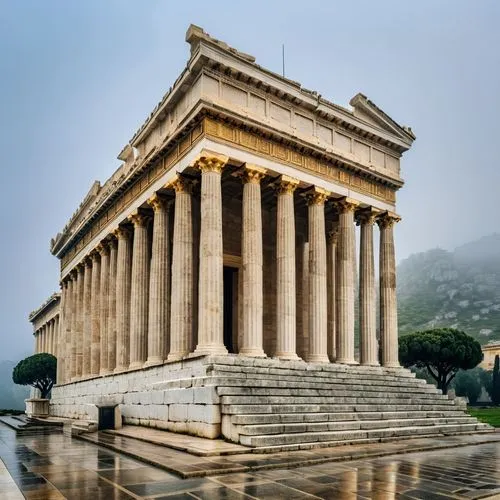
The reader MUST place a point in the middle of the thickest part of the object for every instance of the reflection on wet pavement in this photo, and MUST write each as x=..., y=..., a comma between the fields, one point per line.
x=54, y=466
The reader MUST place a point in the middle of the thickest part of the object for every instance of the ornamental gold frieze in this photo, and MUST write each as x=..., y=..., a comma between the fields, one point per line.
x=276, y=151
x=126, y=199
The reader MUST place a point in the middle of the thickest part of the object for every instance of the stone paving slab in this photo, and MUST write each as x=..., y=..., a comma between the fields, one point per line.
x=187, y=465
x=54, y=466
x=190, y=444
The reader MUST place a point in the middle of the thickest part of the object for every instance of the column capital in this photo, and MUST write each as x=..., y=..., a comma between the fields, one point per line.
x=158, y=202
x=367, y=216
x=387, y=220
x=316, y=195
x=138, y=219
x=252, y=174
x=345, y=204
x=121, y=233
x=102, y=248
x=286, y=185
x=209, y=161
x=94, y=256
x=181, y=184
x=112, y=242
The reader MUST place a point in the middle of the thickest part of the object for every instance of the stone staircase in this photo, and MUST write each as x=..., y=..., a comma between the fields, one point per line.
x=276, y=405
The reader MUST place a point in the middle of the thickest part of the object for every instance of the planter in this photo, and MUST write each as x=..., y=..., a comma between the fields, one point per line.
x=37, y=407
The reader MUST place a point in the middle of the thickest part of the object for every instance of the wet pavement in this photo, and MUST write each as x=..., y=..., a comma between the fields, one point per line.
x=55, y=467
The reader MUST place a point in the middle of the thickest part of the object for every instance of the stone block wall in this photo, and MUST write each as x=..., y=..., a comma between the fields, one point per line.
x=172, y=396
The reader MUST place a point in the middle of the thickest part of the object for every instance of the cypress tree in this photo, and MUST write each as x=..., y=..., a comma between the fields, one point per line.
x=495, y=396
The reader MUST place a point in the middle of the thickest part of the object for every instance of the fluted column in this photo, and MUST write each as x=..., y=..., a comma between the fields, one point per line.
x=251, y=248
x=388, y=304
x=139, y=292
x=61, y=340
x=286, y=307
x=345, y=281
x=331, y=256
x=35, y=335
x=95, y=310
x=317, y=352
x=87, y=318
x=112, y=343
x=159, y=284
x=52, y=333
x=368, y=354
x=210, y=292
x=71, y=332
x=181, y=310
x=104, y=344
x=123, y=273
x=79, y=319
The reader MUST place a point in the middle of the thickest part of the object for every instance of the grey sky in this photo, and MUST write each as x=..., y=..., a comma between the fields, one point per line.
x=78, y=78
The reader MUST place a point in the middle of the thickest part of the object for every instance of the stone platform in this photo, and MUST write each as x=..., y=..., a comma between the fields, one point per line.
x=272, y=405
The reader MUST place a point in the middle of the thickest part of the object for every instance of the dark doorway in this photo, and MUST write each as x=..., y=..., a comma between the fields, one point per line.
x=106, y=417
x=230, y=291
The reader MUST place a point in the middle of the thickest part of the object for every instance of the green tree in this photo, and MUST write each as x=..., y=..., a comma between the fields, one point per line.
x=467, y=384
x=443, y=351
x=38, y=370
x=495, y=393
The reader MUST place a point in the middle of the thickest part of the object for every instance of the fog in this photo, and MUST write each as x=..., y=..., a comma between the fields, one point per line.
x=79, y=78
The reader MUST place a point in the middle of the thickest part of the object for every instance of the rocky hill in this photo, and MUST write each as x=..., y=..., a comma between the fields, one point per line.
x=458, y=289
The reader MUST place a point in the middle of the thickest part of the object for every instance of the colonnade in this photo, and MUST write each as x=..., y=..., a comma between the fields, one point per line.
x=47, y=337
x=125, y=308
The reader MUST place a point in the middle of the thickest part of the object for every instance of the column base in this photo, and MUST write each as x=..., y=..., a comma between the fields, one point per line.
x=136, y=365
x=120, y=369
x=105, y=371
x=370, y=363
x=318, y=358
x=211, y=349
x=391, y=364
x=153, y=362
x=252, y=353
x=287, y=356
x=346, y=361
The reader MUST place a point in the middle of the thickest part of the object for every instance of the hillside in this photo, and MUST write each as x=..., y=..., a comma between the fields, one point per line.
x=459, y=289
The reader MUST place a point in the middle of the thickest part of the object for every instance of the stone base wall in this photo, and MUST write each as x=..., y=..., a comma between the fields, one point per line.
x=172, y=396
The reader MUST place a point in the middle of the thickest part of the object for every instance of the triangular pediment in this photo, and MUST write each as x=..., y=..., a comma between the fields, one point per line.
x=367, y=111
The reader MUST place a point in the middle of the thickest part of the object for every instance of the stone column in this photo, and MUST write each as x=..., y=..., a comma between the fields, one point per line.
x=105, y=345
x=251, y=248
x=79, y=320
x=87, y=318
x=71, y=336
x=35, y=335
x=112, y=343
x=181, y=310
x=318, y=316
x=139, y=292
x=159, y=283
x=388, y=305
x=368, y=354
x=52, y=333
x=123, y=273
x=61, y=340
x=210, y=291
x=95, y=308
x=303, y=336
x=345, y=281
x=286, y=308
x=331, y=257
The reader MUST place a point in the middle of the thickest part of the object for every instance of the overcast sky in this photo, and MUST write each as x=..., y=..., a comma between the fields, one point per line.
x=78, y=78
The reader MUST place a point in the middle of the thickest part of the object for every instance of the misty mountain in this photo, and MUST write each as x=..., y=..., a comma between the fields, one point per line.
x=12, y=396
x=458, y=289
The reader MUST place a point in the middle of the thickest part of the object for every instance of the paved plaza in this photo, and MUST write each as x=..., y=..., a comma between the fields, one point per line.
x=54, y=466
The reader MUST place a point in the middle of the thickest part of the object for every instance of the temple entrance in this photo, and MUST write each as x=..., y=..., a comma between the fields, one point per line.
x=230, y=307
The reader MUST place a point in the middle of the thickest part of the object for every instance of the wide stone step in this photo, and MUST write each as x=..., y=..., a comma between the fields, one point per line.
x=404, y=399
x=251, y=390
x=257, y=418
x=245, y=409
x=255, y=430
x=311, y=437
x=354, y=375
x=284, y=382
